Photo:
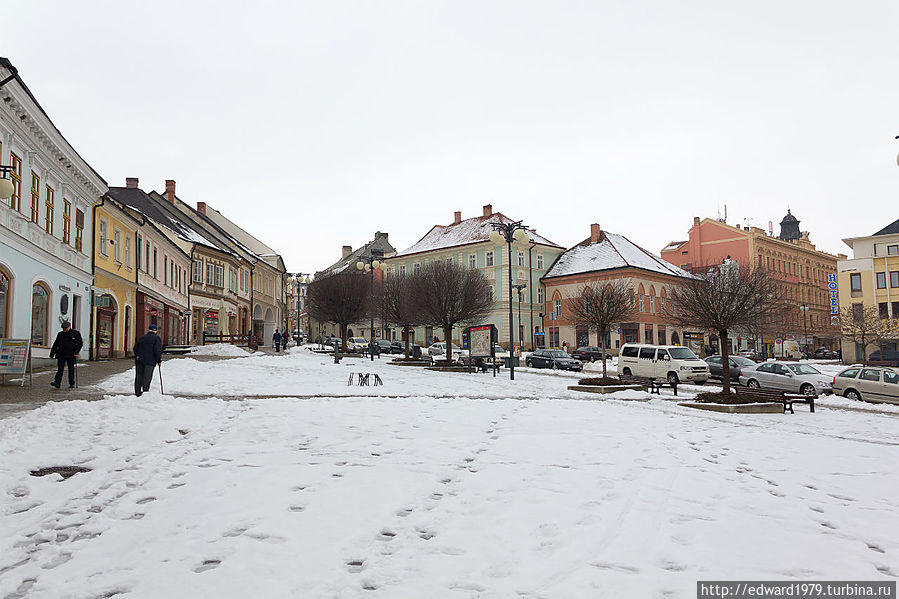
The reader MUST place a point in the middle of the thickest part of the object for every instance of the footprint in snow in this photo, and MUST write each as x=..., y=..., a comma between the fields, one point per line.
x=209, y=564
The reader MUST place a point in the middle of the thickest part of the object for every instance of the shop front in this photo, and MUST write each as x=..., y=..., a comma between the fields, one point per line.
x=104, y=336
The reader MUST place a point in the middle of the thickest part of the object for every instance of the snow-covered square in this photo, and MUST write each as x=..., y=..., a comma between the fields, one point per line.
x=269, y=476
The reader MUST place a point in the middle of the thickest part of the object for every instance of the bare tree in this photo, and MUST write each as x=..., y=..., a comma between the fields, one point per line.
x=731, y=296
x=448, y=294
x=397, y=304
x=863, y=326
x=342, y=299
x=601, y=305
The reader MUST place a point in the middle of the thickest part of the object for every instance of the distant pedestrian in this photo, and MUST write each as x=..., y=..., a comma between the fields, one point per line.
x=65, y=349
x=147, y=355
x=276, y=340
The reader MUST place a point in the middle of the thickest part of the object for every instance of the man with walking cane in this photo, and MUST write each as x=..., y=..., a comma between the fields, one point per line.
x=147, y=355
x=65, y=349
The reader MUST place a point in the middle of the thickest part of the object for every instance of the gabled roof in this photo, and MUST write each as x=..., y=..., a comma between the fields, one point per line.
x=141, y=202
x=379, y=244
x=890, y=229
x=674, y=245
x=468, y=231
x=611, y=251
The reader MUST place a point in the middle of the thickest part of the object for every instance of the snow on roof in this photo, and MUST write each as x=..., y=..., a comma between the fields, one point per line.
x=673, y=245
x=470, y=230
x=611, y=251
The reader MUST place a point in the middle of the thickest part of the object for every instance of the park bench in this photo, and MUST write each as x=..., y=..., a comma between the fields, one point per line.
x=787, y=399
x=654, y=385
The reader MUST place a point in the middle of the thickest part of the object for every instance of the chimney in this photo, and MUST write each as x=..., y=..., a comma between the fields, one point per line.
x=488, y=210
x=131, y=182
x=595, y=233
x=695, y=221
x=201, y=208
x=347, y=250
x=384, y=236
x=457, y=217
x=170, y=190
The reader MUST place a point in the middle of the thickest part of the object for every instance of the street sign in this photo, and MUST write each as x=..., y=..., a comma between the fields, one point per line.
x=778, y=340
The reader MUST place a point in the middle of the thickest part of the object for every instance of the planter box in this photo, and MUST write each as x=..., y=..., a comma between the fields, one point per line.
x=746, y=408
x=604, y=389
x=419, y=363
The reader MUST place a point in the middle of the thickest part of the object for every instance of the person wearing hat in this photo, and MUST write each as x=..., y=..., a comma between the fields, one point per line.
x=65, y=349
x=147, y=355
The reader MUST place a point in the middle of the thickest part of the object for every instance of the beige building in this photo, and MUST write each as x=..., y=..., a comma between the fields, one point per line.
x=870, y=279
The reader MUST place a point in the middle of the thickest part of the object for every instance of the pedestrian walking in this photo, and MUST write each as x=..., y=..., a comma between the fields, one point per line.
x=276, y=340
x=65, y=349
x=147, y=355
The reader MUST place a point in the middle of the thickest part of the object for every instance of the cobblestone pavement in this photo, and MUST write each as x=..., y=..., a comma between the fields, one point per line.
x=15, y=399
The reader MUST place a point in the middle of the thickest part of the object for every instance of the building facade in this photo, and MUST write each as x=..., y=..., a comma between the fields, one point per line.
x=801, y=270
x=871, y=279
x=606, y=256
x=379, y=247
x=46, y=229
x=467, y=242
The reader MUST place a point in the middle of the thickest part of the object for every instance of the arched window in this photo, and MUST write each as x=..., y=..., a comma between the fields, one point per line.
x=4, y=303
x=40, y=315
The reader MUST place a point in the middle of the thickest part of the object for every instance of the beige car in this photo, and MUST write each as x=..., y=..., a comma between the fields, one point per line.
x=870, y=383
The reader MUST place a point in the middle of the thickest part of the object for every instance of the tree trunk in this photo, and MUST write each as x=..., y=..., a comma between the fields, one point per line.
x=448, y=340
x=406, y=335
x=343, y=329
x=602, y=348
x=725, y=360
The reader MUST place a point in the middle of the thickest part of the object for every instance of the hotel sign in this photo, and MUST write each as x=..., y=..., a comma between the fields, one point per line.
x=834, y=299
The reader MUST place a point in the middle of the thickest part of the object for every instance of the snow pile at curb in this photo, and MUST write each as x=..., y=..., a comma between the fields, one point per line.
x=218, y=349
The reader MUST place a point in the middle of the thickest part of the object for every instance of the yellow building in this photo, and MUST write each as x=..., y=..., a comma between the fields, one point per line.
x=115, y=281
x=871, y=279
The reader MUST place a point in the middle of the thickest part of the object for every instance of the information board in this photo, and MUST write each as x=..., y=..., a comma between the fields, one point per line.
x=14, y=356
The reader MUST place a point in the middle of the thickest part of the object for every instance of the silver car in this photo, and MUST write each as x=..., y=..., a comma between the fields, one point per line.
x=787, y=376
x=870, y=383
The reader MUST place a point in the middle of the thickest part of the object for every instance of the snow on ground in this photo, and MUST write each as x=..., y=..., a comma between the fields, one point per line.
x=438, y=493
x=218, y=349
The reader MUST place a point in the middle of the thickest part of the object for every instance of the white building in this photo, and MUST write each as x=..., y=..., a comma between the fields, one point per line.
x=46, y=226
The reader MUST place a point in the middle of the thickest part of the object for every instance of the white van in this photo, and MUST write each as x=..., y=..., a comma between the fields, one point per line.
x=673, y=363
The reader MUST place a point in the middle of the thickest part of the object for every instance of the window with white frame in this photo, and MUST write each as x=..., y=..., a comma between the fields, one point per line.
x=197, y=272
x=489, y=258
x=652, y=303
x=128, y=252
x=472, y=260
x=520, y=258
x=557, y=307
x=402, y=269
x=104, y=238
x=539, y=260
x=219, y=276
x=210, y=273
x=117, y=245
x=416, y=268
x=541, y=297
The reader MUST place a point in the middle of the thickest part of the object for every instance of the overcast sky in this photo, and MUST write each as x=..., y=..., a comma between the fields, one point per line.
x=312, y=125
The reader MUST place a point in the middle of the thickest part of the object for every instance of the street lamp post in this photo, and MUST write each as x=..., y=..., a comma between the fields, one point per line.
x=805, y=309
x=520, y=287
x=7, y=188
x=510, y=233
x=370, y=264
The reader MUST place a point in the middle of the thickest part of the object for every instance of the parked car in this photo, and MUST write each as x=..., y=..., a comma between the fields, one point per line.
x=872, y=383
x=787, y=376
x=885, y=356
x=439, y=348
x=553, y=358
x=737, y=363
x=589, y=354
x=459, y=355
x=822, y=353
x=669, y=362
x=399, y=347
x=357, y=344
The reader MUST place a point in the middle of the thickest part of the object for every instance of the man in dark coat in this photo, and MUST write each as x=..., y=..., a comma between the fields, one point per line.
x=147, y=354
x=276, y=340
x=65, y=349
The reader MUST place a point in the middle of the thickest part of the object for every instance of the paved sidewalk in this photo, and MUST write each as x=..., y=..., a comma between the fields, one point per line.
x=15, y=399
